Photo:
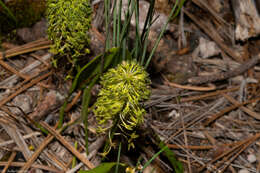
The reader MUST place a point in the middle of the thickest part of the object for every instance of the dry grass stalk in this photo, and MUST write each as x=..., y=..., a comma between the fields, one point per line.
x=25, y=87
x=68, y=146
x=10, y=160
x=37, y=166
x=228, y=109
x=18, y=138
x=26, y=48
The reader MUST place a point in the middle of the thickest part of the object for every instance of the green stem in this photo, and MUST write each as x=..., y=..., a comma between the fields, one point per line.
x=161, y=34
x=85, y=104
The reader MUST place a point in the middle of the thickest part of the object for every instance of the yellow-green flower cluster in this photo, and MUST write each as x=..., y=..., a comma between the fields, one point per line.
x=123, y=88
x=68, y=24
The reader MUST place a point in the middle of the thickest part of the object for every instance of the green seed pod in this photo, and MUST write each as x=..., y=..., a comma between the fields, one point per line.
x=68, y=24
x=123, y=88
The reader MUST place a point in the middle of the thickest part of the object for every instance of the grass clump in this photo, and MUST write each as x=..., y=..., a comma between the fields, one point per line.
x=119, y=108
x=121, y=71
x=68, y=24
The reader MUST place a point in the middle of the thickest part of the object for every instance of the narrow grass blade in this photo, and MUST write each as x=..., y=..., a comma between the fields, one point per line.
x=148, y=18
x=38, y=125
x=128, y=17
x=114, y=42
x=107, y=21
x=156, y=155
x=162, y=32
x=118, y=158
x=8, y=11
x=111, y=134
x=124, y=48
x=177, y=165
x=146, y=30
x=62, y=111
x=85, y=104
x=179, y=8
x=119, y=24
x=125, y=29
x=145, y=47
x=74, y=159
x=138, y=45
x=146, y=41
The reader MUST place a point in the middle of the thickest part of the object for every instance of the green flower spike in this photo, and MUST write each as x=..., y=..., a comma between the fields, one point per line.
x=123, y=88
x=68, y=24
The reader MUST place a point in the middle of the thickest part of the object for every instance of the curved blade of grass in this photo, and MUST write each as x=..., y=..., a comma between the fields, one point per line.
x=125, y=30
x=172, y=14
x=118, y=158
x=85, y=104
x=74, y=159
x=148, y=19
x=107, y=22
x=62, y=111
x=179, y=8
x=138, y=45
x=154, y=156
x=124, y=48
x=114, y=42
x=138, y=163
x=119, y=22
x=145, y=47
x=8, y=11
x=146, y=30
x=93, y=68
x=129, y=14
x=146, y=41
x=38, y=125
x=177, y=165
x=111, y=134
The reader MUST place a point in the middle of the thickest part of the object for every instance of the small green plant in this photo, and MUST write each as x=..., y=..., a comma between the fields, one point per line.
x=126, y=86
x=125, y=82
x=68, y=24
x=123, y=89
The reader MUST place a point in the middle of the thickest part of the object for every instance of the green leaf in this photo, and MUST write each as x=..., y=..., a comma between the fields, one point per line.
x=177, y=165
x=106, y=168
